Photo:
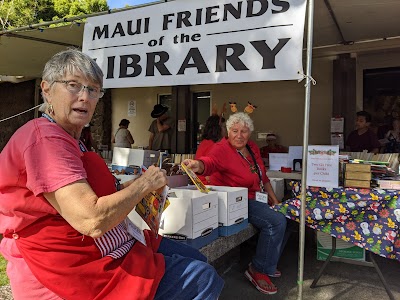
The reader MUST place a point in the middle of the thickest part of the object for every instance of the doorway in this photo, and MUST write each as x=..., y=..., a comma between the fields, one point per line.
x=201, y=111
x=382, y=97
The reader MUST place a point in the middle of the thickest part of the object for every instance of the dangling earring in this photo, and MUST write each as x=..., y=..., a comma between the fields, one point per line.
x=50, y=109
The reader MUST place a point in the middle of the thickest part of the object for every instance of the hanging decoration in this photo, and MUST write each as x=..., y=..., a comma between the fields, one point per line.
x=249, y=108
x=233, y=107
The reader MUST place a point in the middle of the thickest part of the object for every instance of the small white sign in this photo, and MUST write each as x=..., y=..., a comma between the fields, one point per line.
x=262, y=136
x=337, y=139
x=337, y=125
x=181, y=125
x=278, y=160
x=262, y=197
x=132, y=108
x=323, y=166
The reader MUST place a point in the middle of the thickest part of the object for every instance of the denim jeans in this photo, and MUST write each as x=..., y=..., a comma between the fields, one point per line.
x=272, y=226
x=187, y=274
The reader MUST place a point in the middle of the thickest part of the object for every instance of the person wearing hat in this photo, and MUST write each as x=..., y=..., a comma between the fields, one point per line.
x=123, y=137
x=271, y=147
x=161, y=129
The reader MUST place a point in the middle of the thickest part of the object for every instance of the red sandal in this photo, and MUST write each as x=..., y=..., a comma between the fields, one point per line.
x=277, y=274
x=255, y=276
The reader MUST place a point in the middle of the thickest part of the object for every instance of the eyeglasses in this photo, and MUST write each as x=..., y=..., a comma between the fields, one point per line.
x=77, y=88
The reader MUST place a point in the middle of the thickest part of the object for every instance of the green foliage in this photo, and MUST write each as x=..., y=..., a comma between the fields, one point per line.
x=18, y=13
x=3, y=275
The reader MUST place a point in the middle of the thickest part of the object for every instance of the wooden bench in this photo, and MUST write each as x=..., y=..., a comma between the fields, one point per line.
x=224, y=244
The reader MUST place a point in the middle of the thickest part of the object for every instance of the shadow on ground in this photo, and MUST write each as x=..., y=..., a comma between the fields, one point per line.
x=340, y=281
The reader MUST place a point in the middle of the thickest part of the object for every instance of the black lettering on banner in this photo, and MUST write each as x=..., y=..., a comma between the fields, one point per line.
x=234, y=60
x=185, y=38
x=283, y=4
x=138, y=29
x=183, y=17
x=250, y=8
x=167, y=20
x=110, y=67
x=118, y=30
x=160, y=64
x=199, y=13
x=99, y=32
x=124, y=65
x=267, y=54
x=210, y=14
x=198, y=62
x=235, y=12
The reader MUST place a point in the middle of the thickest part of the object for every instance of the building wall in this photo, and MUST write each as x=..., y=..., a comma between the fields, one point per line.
x=14, y=99
x=280, y=106
x=145, y=99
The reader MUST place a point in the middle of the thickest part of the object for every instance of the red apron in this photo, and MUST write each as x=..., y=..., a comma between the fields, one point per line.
x=71, y=265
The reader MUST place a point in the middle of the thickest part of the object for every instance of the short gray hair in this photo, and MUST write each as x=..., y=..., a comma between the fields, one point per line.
x=241, y=118
x=70, y=62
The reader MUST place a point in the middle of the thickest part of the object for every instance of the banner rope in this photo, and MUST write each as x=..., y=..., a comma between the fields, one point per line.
x=21, y=113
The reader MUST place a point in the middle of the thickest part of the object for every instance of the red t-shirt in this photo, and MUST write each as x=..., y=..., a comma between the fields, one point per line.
x=44, y=252
x=359, y=142
x=227, y=167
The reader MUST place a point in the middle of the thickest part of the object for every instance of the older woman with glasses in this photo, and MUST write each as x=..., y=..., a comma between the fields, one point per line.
x=64, y=218
x=236, y=161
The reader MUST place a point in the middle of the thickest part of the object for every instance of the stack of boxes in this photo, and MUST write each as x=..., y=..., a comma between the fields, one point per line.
x=357, y=175
x=197, y=219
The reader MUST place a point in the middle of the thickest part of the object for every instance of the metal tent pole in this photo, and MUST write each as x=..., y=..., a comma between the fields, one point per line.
x=310, y=12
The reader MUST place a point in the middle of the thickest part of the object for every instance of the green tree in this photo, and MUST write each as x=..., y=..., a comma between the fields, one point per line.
x=18, y=13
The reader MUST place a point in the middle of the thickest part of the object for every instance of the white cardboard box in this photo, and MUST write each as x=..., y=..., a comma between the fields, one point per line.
x=278, y=185
x=134, y=157
x=233, y=212
x=191, y=217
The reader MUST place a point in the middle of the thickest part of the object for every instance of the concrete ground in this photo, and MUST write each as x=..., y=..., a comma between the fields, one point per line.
x=340, y=281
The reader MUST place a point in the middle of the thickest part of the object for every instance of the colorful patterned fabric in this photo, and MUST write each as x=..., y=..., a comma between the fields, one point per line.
x=368, y=218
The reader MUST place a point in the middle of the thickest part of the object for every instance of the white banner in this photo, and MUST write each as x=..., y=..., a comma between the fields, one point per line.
x=187, y=42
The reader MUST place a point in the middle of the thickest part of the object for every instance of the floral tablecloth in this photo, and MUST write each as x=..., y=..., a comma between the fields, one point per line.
x=368, y=218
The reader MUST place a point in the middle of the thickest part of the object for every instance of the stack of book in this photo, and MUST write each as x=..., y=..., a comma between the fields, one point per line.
x=357, y=175
x=390, y=183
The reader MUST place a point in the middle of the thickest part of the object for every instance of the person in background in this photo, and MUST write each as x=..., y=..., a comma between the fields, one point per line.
x=393, y=138
x=86, y=138
x=161, y=129
x=224, y=132
x=63, y=216
x=123, y=137
x=236, y=161
x=271, y=147
x=212, y=133
x=363, y=138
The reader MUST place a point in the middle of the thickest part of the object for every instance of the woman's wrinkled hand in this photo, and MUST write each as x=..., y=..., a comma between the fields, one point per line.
x=156, y=178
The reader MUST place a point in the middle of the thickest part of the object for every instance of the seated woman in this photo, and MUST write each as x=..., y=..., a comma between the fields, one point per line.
x=236, y=161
